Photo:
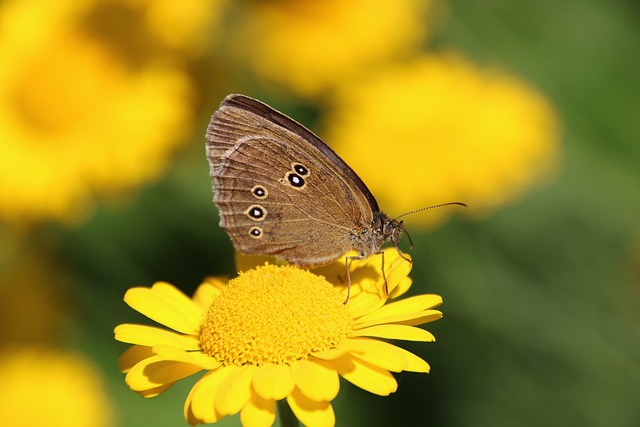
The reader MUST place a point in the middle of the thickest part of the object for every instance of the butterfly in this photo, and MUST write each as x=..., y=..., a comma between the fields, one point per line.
x=282, y=191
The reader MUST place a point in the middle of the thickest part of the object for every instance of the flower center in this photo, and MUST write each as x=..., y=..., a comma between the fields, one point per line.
x=274, y=314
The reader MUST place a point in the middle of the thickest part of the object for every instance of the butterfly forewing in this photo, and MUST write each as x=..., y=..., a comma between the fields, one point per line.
x=240, y=116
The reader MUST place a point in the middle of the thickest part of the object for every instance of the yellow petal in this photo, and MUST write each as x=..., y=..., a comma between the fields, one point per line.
x=156, y=391
x=166, y=305
x=182, y=304
x=413, y=363
x=235, y=390
x=316, y=379
x=401, y=318
x=395, y=332
x=207, y=291
x=365, y=375
x=425, y=317
x=401, y=288
x=273, y=381
x=398, y=269
x=188, y=410
x=195, y=358
x=364, y=303
x=310, y=412
x=154, y=372
x=414, y=304
x=134, y=355
x=377, y=353
x=201, y=400
x=151, y=335
x=205, y=361
x=258, y=412
x=330, y=354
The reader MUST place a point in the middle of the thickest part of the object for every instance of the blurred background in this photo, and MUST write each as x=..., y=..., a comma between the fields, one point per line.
x=527, y=111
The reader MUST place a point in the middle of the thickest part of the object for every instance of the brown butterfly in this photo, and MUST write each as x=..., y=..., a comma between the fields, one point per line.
x=282, y=191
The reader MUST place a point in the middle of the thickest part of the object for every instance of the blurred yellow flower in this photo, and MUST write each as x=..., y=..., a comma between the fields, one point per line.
x=439, y=129
x=75, y=119
x=50, y=387
x=273, y=333
x=187, y=25
x=309, y=46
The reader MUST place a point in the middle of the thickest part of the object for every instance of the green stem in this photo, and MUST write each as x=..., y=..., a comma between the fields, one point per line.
x=287, y=418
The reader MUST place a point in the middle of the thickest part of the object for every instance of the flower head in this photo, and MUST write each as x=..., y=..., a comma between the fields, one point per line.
x=66, y=389
x=76, y=119
x=273, y=333
x=311, y=46
x=188, y=26
x=449, y=131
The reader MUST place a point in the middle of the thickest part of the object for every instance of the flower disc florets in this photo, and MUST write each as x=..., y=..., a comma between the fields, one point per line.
x=274, y=315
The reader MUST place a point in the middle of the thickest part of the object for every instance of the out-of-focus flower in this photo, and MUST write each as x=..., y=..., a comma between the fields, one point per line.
x=274, y=333
x=75, y=119
x=48, y=387
x=438, y=129
x=189, y=26
x=309, y=46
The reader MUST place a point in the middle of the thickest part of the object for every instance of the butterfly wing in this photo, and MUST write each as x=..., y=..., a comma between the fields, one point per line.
x=281, y=190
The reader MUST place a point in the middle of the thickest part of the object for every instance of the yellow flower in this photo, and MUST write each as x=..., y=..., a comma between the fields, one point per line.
x=50, y=387
x=309, y=46
x=75, y=118
x=187, y=25
x=274, y=333
x=440, y=129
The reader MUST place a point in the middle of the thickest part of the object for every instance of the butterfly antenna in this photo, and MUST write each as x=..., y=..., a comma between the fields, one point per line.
x=431, y=207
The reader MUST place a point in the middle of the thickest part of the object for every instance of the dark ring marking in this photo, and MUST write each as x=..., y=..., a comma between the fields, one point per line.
x=300, y=169
x=256, y=212
x=255, y=232
x=259, y=192
x=295, y=180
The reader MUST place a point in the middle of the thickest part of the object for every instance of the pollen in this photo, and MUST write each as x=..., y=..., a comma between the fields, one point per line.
x=274, y=314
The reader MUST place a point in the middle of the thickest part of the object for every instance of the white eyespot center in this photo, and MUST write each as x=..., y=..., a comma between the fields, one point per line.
x=255, y=232
x=256, y=212
x=259, y=192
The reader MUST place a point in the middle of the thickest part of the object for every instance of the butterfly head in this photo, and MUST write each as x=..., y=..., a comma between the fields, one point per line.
x=383, y=229
x=392, y=230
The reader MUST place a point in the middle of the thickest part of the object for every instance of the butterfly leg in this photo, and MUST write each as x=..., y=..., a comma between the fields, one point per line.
x=348, y=260
x=409, y=260
x=403, y=256
x=384, y=275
